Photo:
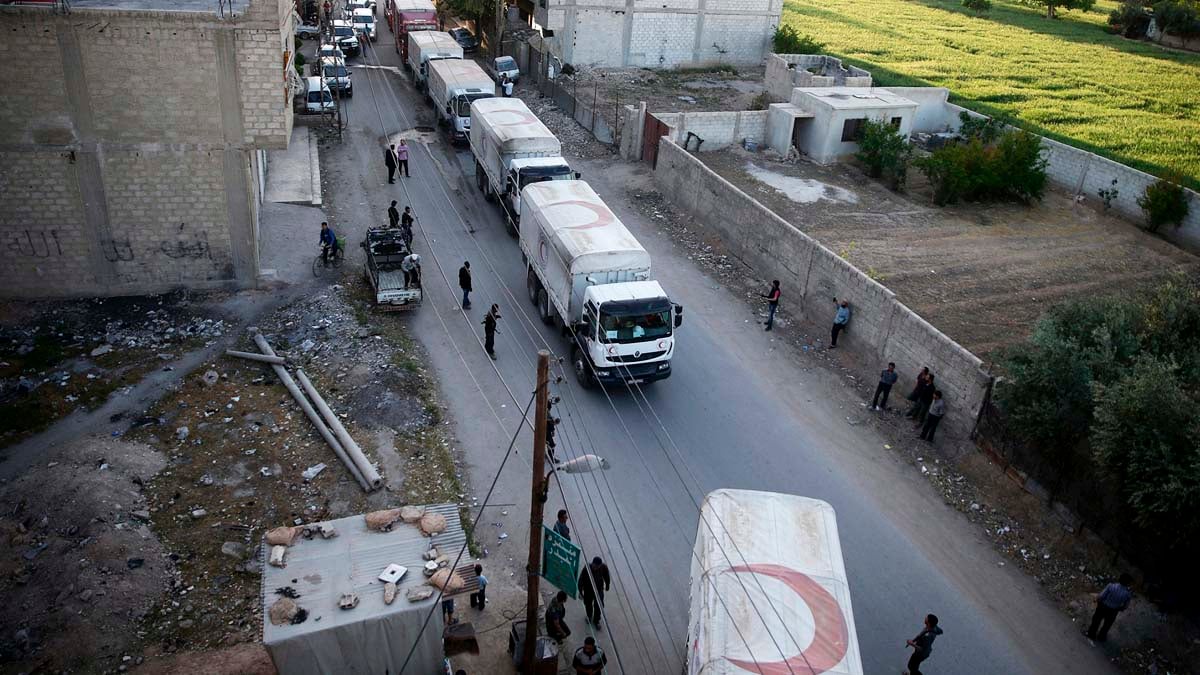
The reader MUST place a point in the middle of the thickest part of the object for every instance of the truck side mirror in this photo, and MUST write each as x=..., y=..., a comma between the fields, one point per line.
x=578, y=175
x=678, y=315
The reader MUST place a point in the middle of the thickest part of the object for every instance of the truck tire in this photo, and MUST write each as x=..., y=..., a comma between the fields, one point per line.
x=544, y=307
x=533, y=286
x=480, y=176
x=583, y=373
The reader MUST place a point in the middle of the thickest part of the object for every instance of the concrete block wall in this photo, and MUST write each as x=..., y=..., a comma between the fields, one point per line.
x=660, y=33
x=1067, y=167
x=718, y=129
x=785, y=72
x=881, y=329
x=128, y=161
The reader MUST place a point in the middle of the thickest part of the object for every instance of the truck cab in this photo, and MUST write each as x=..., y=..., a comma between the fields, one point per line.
x=626, y=333
x=527, y=171
x=458, y=110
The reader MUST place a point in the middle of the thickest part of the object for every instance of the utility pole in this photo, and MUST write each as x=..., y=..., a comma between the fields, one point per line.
x=536, y=503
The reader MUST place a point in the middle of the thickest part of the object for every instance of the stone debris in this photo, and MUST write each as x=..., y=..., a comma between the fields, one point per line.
x=389, y=593
x=446, y=581
x=278, y=554
x=348, y=601
x=433, y=523
x=312, y=471
x=411, y=514
x=234, y=549
x=382, y=521
x=283, y=536
x=282, y=611
x=419, y=593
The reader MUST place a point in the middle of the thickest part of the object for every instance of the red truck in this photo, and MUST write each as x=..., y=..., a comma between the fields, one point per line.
x=404, y=16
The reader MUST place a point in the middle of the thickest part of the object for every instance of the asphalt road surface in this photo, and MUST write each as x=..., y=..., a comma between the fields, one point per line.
x=739, y=411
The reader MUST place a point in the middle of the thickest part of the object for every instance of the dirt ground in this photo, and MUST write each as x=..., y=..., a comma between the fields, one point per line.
x=683, y=90
x=139, y=549
x=982, y=274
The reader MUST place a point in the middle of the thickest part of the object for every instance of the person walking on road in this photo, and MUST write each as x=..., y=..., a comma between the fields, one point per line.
x=393, y=216
x=402, y=157
x=886, y=379
x=589, y=660
x=592, y=595
x=479, y=597
x=490, y=330
x=560, y=526
x=772, y=297
x=839, y=321
x=389, y=160
x=922, y=644
x=937, y=409
x=556, y=614
x=464, y=282
x=1112, y=601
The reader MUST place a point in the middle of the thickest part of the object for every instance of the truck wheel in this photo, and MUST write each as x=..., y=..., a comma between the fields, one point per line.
x=488, y=195
x=532, y=285
x=544, y=307
x=583, y=374
x=480, y=177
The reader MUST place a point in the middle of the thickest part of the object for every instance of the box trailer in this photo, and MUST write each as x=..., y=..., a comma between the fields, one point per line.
x=769, y=592
x=429, y=45
x=454, y=84
x=590, y=276
x=409, y=16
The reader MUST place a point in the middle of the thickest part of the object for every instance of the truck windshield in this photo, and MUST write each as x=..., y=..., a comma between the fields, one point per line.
x=635, y=321
x=532, y=175
x=464, y=104
x=364, y=19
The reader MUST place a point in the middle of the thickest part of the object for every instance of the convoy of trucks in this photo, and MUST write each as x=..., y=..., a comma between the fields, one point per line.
x=409, y=16
x=769, y=592
x=454, y=84
x=588, y=275
x=429, y=45
x=512, y=149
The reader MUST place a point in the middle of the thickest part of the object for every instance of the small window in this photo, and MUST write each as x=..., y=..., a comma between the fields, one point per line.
x=896, y=122
x=850, y=130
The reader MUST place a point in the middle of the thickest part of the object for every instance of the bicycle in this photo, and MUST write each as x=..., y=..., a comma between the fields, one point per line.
x=334, y=260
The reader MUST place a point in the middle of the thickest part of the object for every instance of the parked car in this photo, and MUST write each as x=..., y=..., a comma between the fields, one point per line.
x=328, y=51
x=337, y=76
x=352, y=5
x=346, y=37
x=506, y=65
x=317, y=98
x=465, y=39
x=364, y=21
x=308, y=31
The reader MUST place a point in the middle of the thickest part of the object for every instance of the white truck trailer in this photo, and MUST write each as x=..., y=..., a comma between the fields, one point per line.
x=429, y=45
x=453, y=85
x=769, y=591
x=590, y=276
x=512, y=149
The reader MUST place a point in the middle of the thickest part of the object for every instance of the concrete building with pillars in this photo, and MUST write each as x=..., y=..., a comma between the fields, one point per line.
x=132, y=155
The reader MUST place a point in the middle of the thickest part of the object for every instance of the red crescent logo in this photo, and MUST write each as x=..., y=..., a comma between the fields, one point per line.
x=522, y=118
x=603, y=216
x=830, y=638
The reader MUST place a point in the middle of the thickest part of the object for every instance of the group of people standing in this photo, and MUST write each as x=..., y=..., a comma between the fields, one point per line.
x=594, y=581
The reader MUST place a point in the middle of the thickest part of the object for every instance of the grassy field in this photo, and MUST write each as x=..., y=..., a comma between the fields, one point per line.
x=1068, y=79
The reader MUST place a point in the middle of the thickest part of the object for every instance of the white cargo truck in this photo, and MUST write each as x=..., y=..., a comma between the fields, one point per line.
x=429, y=45
x=453, y=85
x=590, y=276
x=769, y=591
x=512, y=149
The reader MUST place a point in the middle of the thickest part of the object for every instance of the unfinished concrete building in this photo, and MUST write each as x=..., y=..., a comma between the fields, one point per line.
x=658, y=33
x=785, y=72
x=132, y=155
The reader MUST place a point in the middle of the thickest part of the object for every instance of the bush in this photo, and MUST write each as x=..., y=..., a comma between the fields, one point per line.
x=1163, y=202
x=788, y=40
x=1144, y=436
x=884, y=151
x=1177, y=17
x=972, y=169
x=980, y=6
x=299, y=62
x=1130, y=19
x=986, y=129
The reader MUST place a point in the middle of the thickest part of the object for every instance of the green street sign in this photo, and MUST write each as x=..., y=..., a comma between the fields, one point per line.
x=560, y=561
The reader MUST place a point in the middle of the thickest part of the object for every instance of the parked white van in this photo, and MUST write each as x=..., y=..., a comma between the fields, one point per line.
x=364, y=23
x=317, y=97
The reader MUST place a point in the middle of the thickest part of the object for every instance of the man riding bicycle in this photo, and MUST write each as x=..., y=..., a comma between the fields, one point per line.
x=329, y=243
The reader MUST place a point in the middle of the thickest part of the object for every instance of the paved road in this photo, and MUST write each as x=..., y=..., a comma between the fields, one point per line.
x=739, y=411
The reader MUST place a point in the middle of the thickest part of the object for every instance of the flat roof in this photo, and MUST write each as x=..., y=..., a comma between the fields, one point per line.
x=855, y=98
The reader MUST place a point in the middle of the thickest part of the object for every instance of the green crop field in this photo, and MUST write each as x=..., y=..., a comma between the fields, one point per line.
x=1068, y=79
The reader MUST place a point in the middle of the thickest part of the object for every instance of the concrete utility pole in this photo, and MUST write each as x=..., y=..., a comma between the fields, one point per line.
x=536, y=502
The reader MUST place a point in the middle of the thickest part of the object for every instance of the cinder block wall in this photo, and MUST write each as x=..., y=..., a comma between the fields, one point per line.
x=718, y=129
x=785, y=72
x=881, y=330
x=127, y=163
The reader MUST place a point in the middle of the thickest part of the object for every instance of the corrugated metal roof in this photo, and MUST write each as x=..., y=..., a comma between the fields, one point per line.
x=321, y=570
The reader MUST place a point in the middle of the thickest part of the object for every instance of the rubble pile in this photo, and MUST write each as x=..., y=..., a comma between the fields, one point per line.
x=576, y=141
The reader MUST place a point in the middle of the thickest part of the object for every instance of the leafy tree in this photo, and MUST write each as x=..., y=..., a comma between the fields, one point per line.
x=1009, y=166
x=1130, y=19
x=978, y=6
x=1053, y=6
x=788, y=40
x=1144, y=436
x=986, y=129
x=1178, y=17
x=1047, y=395
x=884, y=151
x=1163, y=202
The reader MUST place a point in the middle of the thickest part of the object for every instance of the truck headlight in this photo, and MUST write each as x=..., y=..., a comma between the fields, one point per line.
x=603, y=373
x=664, y=366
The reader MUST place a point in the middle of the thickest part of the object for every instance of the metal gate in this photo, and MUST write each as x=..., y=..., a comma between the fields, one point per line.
x=651, y=133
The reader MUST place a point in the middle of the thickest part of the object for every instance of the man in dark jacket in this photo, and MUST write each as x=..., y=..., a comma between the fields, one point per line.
x=489, y=331
x=840, y=320
x=772, y=297
x=886, y=379
x=464, y=282
x=328, y=243
x=406, y=226
x=924, y=397
x=389, y=159
x=922, y=645
x=393, y=216
x=591, y=595
x=1112, y=601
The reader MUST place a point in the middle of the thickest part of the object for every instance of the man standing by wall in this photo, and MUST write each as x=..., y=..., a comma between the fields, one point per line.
x=772, y=297
x=886, y=379
x=839, y=321
x=1112, y=601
